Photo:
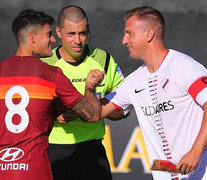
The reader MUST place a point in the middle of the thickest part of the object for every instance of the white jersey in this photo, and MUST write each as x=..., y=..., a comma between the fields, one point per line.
x=168, y=104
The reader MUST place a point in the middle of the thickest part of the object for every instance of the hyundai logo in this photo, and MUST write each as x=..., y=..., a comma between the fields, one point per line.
x=11, y=154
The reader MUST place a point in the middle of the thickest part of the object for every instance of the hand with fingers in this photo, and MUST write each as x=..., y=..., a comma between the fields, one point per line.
x=67, y=117
x=188, y=163
x=94, y=79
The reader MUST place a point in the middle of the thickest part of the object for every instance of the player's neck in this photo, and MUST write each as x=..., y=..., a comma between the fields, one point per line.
x=155, y=59
x=67, y=57
x=23, y=52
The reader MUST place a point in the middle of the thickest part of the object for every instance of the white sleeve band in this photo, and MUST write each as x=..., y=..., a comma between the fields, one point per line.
x=201, y=98
x=127, y=109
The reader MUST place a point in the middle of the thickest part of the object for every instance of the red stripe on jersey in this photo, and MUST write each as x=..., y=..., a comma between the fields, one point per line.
x=25, y=80
x=118, y=108
x=197, y=86
x=165, y=55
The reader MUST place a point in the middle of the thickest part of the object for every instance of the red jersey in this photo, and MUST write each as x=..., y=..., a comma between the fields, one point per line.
x=28, y=88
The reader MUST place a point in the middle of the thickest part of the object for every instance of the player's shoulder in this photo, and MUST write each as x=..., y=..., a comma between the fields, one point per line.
x=137, y=74
x=101, y=57
x=7, y=63
x=94, y=51
x=48, y=66
x=50, y=71
x=179, y=59
x=8, y=59
x=97, y=54
x=183, y=65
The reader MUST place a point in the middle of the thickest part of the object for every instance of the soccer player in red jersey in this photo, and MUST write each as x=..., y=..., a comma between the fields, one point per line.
x=29, y=89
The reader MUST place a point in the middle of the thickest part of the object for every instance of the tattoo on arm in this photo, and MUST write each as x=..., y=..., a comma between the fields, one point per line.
x=84, y=110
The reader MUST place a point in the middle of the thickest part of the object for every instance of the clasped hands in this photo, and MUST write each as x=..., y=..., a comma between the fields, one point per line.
x=94, y=78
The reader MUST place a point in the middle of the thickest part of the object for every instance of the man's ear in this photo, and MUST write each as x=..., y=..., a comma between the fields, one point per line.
x=32, y=37
x=58, y=32
x=150, y=35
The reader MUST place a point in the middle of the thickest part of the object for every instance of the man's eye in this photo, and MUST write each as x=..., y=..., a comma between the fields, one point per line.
x=49, y=34
x=83, y=33
x=70, y=34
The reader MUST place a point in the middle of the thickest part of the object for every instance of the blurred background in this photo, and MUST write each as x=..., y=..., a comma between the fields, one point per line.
x=186, y=27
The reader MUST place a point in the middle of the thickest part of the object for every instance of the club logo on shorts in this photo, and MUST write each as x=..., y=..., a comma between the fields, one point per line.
x=11, y=154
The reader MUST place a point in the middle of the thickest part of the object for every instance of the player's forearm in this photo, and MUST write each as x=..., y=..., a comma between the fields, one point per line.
x=107, y=108
x=201, y=140
x=190, y=160
x=88, y=109
x=118, y=115
x=92, y=105
x=95, y=105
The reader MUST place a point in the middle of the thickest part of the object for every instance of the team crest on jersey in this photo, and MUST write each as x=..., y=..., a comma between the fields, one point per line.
x=165, y=83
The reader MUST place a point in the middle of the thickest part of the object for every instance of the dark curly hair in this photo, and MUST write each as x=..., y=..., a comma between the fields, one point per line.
x=28, y=18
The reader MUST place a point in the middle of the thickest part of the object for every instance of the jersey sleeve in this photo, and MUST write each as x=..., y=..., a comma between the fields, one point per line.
x=67, y=93
x=120, y=97
x=198, y=90
x=193, y=78
x=114, y=76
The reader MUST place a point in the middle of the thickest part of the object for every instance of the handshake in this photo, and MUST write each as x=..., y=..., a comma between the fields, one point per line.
x=94, y=78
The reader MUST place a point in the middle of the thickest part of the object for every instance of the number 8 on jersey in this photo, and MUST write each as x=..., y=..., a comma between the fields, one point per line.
x=17, y=109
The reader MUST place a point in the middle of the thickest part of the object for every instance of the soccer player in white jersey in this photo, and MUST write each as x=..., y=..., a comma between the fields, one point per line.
x=169, y=94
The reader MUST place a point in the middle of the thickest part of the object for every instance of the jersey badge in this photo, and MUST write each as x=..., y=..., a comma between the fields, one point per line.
x=98, y=95
x=165, y=83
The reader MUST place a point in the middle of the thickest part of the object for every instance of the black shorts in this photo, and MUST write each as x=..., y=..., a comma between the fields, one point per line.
x=82, y=161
